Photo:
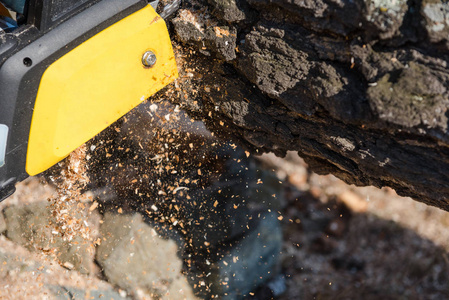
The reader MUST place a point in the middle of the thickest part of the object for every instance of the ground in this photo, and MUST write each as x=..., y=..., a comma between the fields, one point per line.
x=362, y=243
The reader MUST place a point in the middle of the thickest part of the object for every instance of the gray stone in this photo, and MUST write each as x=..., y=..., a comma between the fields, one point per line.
x=29, y=225
x=27, y=275
x=134, y=257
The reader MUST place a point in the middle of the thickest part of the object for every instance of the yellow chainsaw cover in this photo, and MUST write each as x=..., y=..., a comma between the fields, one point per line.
x=95, y=84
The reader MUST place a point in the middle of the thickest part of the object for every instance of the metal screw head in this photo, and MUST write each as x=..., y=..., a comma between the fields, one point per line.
x=149, y=59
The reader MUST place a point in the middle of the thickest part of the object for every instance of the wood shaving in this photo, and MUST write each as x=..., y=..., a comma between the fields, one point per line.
x=67, y=204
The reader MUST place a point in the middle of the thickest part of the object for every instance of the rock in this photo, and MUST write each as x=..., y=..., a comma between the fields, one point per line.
x=30, y=225
x=26, y=275
x=134, y=257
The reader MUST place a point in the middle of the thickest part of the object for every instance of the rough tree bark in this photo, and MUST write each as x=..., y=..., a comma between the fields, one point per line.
x=357, y=87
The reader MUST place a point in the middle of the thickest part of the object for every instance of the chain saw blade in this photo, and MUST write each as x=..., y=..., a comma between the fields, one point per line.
x=166, y=8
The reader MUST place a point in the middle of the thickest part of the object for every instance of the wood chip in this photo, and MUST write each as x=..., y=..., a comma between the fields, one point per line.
x=93, y=206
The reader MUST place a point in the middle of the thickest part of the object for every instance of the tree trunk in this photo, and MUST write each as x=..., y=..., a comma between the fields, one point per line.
x=358, y=88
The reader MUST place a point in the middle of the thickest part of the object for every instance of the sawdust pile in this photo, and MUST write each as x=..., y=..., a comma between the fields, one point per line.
x=69, y=201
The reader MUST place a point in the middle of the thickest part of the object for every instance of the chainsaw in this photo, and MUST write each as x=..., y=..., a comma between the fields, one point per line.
x=69, y=69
